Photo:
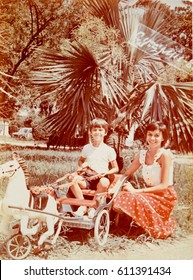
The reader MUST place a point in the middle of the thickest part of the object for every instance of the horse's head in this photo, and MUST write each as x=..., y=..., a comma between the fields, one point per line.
x=9, y=168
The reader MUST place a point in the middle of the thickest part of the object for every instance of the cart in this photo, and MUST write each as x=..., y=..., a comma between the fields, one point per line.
x=19, y=247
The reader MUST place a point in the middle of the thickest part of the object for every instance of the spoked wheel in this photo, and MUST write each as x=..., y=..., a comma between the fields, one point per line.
x=18, y=247
x=63, y=229
x=101, y=228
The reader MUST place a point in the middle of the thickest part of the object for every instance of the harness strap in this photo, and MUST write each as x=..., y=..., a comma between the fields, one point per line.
x=14, y=171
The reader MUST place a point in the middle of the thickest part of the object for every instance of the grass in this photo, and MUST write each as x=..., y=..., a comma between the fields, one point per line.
x=46, y=166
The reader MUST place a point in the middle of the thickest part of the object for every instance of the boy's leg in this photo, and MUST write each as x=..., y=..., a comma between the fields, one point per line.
x=103, y=185
x=78, y=184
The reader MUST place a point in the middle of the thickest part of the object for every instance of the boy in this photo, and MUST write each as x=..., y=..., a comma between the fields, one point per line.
x=95, y=160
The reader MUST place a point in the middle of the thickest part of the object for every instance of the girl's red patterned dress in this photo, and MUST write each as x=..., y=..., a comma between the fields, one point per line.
x=150, y=210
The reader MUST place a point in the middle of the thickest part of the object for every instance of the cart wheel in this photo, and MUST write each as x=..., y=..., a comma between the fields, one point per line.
x=18, y=247
x=101, y=228
x=63, y=229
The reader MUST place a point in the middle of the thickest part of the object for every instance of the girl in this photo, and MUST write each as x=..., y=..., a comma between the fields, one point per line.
x=150, y=207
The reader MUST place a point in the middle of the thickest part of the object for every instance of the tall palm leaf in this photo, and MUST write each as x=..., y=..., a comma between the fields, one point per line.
x=145, y=67
x=169, y=103
x=84, y=85
x=153, y=101
x=108, y=10
x=127, y=21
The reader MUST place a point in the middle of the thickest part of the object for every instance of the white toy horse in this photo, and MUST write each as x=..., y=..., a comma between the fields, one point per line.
x=17, y=195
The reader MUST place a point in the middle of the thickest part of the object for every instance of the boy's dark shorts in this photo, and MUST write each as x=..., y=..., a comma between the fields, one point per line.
x=91, y=184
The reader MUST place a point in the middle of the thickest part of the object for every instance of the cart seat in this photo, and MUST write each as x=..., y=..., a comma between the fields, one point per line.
x=113, y=179
x=78, y=202
x=87, y=202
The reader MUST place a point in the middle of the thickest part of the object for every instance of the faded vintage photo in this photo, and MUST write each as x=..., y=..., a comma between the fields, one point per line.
x=96, y=130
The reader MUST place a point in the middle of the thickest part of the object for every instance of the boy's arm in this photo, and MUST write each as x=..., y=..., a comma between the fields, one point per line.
x=80, y=165
x=65, y=177
x=81, y=162
x=114, y=168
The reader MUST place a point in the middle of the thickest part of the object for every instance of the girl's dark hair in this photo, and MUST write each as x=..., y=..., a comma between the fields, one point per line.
x=161, y=127
x=99, y=123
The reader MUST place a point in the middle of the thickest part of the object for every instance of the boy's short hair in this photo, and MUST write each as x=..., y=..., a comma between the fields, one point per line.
x=98, y=123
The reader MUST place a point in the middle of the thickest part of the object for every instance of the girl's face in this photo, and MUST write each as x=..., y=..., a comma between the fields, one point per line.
x=98, y=133
x=154, y=138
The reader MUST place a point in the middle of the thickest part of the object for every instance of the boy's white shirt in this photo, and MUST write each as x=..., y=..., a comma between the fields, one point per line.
x=98, y=158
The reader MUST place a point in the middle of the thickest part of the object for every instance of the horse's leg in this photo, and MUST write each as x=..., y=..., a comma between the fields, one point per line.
x=4, y=226
x=57, y=232
x=50, y=226
x=24, y=226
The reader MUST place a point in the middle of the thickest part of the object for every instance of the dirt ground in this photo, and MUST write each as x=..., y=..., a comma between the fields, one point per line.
x=170, y=249
x=181, y=249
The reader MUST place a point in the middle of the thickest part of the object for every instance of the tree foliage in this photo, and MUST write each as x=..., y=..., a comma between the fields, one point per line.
x=26, y=26
x=181, y=28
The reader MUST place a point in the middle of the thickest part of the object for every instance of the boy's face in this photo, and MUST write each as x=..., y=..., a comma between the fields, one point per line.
x=98, y=133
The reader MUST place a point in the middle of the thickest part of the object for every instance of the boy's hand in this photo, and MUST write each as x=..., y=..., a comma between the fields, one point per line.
x=84, y=165
x=101, y=175
x=62, y=178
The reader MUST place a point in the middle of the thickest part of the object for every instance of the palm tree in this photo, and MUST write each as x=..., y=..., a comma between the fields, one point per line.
x=87, y=88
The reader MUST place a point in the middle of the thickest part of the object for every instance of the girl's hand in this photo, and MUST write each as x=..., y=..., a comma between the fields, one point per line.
x=128, y=187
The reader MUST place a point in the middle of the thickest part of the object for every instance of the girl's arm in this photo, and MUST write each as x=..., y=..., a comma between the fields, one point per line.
x=130, y=170
x=166, y=165
x=133, y=167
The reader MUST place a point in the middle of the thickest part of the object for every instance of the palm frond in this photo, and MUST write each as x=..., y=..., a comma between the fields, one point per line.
x=85, y=84
x=151, y=21
x=108, y=10
x=169, y=103
x=156, y=16
x=81, y=83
